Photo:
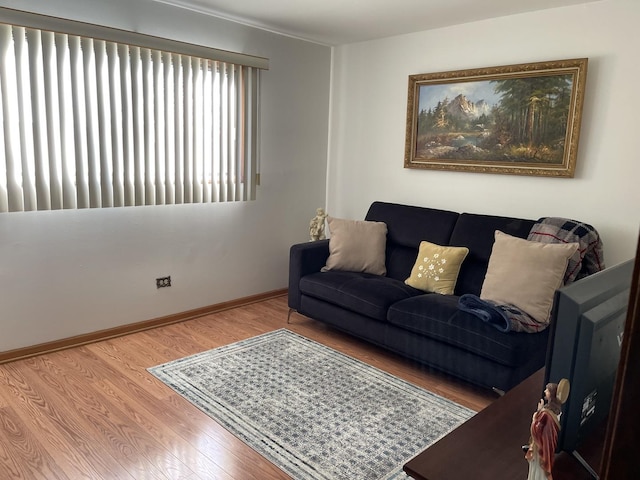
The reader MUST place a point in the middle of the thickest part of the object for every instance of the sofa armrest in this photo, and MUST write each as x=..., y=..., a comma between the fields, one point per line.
x=305, y=258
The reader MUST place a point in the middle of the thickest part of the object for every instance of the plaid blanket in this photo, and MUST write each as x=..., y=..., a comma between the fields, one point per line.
x=587, y=260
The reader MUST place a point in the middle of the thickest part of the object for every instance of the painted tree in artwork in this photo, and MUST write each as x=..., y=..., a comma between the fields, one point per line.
x=533, y=111
x=435, y=119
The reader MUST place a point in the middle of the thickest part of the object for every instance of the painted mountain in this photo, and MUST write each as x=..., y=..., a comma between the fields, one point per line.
x=463, y=108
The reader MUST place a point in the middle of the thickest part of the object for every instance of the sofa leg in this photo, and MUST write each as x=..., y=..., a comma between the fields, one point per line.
x=498, y=391
x=291, y=310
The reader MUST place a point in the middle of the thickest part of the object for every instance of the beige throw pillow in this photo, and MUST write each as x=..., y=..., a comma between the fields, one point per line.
x=526, y=274
x=437, y=268
x=356, y=246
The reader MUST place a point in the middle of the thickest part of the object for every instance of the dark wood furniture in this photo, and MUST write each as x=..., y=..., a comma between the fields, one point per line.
x=620, y=457
x=488, y=446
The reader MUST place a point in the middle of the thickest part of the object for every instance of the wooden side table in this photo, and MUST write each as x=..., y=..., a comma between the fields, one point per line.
x=488, y=445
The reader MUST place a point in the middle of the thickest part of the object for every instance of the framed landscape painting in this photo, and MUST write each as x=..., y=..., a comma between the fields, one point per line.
x=517, y=119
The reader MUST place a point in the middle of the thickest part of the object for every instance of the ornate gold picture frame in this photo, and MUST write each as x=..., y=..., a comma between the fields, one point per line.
x=517, y=119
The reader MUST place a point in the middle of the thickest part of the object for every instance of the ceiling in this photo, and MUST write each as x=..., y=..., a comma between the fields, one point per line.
x=338, y=22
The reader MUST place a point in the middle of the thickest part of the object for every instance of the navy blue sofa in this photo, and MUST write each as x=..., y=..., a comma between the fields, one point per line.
x=426, y=327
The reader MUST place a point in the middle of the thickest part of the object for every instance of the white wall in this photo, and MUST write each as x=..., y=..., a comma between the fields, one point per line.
x=369, y=97
x=65, y=273
x=73, y=272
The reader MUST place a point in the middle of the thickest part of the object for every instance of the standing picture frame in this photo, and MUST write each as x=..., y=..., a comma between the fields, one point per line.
x=519, y=119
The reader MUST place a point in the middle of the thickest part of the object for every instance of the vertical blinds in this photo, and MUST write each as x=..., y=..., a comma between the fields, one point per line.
x=97, y=123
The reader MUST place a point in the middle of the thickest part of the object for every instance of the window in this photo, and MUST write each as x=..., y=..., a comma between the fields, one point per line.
x=94, y=122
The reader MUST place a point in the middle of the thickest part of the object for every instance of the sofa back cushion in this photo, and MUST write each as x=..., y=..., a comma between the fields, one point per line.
x=407, y=226
x=477, y=232
x=356, y=246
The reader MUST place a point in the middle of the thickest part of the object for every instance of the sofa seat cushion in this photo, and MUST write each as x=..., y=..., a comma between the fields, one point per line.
x=364, y=293
x=438, y=317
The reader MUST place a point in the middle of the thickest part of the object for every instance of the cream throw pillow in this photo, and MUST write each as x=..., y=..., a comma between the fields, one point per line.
x=436, y=268
x=357, y=246
x=526, y=274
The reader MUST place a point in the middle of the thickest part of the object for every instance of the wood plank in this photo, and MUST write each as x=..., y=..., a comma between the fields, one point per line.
x=45, y=417
x=22, y=455
x=93, y=411
x=109, y=432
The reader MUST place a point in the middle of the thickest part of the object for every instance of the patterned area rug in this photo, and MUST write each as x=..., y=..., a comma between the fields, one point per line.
x=314, y=412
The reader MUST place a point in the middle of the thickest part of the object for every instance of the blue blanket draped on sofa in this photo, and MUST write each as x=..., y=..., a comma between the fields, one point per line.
x=504, y=317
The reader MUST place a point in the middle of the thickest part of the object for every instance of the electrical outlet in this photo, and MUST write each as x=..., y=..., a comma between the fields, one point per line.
x=163, y=282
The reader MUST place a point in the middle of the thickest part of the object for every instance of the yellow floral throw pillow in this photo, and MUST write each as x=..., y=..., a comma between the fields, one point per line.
x=436, y=268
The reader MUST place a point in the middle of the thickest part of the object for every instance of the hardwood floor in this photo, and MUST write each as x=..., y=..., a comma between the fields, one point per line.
x=94, y=411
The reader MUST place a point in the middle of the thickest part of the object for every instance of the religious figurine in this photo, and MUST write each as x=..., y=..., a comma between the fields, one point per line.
x=545, y=425
x=316, y=225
